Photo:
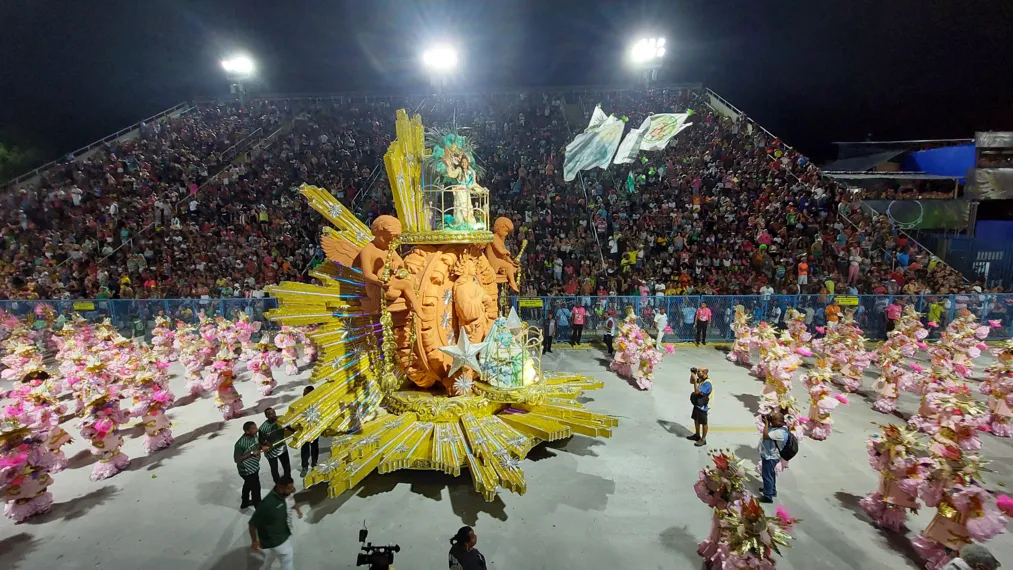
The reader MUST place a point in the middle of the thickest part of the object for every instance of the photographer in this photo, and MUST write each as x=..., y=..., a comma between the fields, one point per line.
x=700, y=398
x=775, y=437
x=463, y=554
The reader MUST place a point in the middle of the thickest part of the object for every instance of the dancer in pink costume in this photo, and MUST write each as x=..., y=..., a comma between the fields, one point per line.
x=195, y=355
x=964, y=511
x=635, y=354
x=764, y=338
x=221, y=378
x=903, y=342
x=718, y=487
x=245, y=329
x=285, y=340
x=899, y=457
x=844, y=348
x=151, y=399
x=795, y=321
x=743, y=344
x=21, y=356
x=309, y=348
x=260, y=365
x=36, y=407
x=998, y=386
x=822, y=401
x=102, y=417
x=964, y=339
x=747, y=538
x=162, y=339
x=25, y=466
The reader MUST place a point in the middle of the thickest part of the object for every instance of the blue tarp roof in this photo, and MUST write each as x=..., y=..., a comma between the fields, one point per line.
x=946, y=161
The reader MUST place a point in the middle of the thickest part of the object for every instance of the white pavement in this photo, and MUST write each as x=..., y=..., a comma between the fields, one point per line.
x=621, y=503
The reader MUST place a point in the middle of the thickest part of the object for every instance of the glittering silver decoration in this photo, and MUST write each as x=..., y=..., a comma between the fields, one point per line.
x=478, y=442
x=402, y=449
x=448, y=296
x=328, y=467
x=400, y=182
x=334, y=210
x=450, y=337
x=506, y=460
x=464, y=386
x=371, y=440
x=445, y=321
x=312, y=414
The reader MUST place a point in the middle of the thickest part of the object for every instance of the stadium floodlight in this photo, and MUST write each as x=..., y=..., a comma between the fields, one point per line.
x=648, y=51
x=440, y=58
x=238, y=65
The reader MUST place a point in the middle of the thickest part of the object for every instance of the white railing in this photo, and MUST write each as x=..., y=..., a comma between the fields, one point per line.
x=100, y=142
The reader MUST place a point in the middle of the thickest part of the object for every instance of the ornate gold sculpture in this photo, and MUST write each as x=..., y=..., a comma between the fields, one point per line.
x=393, y=391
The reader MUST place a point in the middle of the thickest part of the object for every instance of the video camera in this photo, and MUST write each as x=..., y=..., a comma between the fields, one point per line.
x=376, y=557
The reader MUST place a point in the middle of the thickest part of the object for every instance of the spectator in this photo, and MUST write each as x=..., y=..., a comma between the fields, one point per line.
x=892, y=313
x=550, y=333
x=833, y=314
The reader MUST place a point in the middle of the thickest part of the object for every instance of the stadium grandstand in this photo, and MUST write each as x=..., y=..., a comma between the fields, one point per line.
x=201, y=201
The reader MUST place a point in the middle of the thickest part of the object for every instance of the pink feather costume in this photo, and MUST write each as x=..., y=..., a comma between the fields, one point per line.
x=635, y=354
x=897, y=454
x=102, y=417
x=285, y=340
x=998, y=386
x=25, y=466
x=228, y=400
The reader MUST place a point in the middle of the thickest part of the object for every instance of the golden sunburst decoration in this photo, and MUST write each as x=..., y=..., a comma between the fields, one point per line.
x=386, y=393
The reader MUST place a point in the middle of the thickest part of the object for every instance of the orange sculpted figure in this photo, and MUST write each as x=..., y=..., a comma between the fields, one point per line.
x=498, y=254
x=371, y=260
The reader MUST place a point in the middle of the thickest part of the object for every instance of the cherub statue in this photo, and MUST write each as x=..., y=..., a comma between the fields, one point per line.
x=499, y=256
x=370, y=260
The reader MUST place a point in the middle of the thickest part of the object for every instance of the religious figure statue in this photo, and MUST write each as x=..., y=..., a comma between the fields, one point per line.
x=371, y=260
x=498, y=254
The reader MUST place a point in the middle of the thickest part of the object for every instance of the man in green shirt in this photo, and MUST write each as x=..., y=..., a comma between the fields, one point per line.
x=272, y=435
x=269, y=527
x=247, y=457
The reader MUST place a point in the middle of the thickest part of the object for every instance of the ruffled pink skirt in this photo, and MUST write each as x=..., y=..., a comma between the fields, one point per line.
x=105, y=469
x=160, y=440
x=21, y=511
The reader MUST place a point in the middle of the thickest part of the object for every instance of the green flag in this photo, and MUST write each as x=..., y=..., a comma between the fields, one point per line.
x=630, y=183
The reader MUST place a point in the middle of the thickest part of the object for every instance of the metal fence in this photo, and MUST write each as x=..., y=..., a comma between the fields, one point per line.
x=680, y=311
x=869, y=310
x=136, y=317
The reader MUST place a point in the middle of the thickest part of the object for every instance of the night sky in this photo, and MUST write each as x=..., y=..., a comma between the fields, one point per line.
x=812, y=72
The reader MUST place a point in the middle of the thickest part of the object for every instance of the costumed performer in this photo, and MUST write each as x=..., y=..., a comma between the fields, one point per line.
x=25, y=464
x=151, y=400
x=221, y=378
x=900, y=458
x=162, y=339
x=718, y=487
x=635, y=354
x=265, y=357
x=744, y=340
x=285, y=340
x=998, y=386
x=101, y=419
x=822, y=400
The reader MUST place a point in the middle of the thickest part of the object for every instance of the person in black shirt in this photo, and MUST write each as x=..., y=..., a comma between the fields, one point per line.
x=463, y=554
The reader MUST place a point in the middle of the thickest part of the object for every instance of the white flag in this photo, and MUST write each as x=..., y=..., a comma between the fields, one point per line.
x=595, y=146
x=653, y=134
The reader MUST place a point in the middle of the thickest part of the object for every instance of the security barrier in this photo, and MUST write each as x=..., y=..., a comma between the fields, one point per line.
x=869, y=311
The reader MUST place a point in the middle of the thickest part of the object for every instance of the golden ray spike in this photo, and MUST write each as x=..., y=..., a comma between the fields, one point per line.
x=322, y=201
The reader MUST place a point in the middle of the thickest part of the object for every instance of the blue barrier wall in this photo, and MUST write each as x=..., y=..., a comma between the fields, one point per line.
x=128, y=314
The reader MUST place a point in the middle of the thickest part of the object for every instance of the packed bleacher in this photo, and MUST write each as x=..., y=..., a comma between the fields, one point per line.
x=725, y=209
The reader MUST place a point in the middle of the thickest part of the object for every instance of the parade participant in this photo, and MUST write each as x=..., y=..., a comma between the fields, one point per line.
x=246, y=454
x=719, y=486
x=265, y=357
x=998, y=386
x=822, y=401
x=577, y=316
x=270, y=529
x=162, y=339
x=25, y=466
x=194, y=355
x=309, y=350
x=36, y=407
x=310, y=451
x=743, y=344
x=899, y=457
x=635, y=355
x=285, y=340
x=245, y=329
x=101, y=420
x=151, y=400
x=660, y=323
x=221, y=379
x=901, y=343
x=272, y=435
x=550, y=333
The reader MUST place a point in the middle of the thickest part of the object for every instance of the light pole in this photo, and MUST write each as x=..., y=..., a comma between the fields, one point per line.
x=646, y=54
x=440, y=60
x=238, y=68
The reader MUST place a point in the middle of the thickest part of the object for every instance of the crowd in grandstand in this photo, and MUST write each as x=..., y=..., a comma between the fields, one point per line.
x=725, y=209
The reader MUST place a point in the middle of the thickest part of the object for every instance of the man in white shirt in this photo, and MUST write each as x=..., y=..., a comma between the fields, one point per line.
x=660, y=323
